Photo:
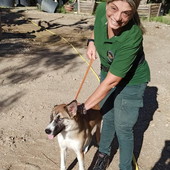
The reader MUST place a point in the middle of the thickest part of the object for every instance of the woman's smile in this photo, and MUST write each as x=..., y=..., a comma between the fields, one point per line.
x=115, y=23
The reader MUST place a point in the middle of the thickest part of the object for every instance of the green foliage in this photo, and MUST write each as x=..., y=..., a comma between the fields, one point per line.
x=61, y=9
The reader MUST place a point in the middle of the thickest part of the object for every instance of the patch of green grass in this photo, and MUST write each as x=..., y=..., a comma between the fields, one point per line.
x=162, y=19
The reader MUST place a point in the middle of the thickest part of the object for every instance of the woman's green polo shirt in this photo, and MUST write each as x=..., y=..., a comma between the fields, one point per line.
x=121, y=54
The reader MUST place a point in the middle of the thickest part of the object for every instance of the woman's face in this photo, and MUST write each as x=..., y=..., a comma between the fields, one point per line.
x=118, y=14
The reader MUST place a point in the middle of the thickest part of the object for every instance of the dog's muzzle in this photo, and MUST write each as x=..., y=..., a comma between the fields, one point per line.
x=57, y=129
x=48, y=131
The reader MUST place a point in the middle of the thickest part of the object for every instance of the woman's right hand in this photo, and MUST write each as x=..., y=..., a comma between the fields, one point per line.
x=91, y=51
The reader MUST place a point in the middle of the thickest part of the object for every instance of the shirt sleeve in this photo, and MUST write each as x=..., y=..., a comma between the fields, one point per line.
x=101, y=9
x=127, y=53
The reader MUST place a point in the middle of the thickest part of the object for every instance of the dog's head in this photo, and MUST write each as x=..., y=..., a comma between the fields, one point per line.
x=61, y=118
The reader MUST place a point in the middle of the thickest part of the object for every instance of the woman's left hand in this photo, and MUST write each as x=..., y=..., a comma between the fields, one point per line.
x=91, y=51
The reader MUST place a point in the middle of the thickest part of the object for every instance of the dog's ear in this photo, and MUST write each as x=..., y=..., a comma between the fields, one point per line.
x=53, y=110
x=72, y=108
x=52, y=114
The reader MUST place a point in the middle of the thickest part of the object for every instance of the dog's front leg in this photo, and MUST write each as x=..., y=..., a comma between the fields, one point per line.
x=63, y=158
x=80, y=157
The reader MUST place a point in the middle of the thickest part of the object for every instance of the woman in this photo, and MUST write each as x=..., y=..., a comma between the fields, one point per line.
x=117, y=37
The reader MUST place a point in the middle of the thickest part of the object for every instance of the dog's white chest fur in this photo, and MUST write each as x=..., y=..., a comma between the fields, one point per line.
x=68, y=141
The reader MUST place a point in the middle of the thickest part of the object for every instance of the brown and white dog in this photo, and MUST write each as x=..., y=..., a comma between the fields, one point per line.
x=74, y=130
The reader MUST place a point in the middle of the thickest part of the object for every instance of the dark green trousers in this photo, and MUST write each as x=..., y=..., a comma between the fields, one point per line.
x=120, y=111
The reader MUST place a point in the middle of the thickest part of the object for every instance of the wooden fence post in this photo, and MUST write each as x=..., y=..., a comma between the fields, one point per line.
x=149, y=10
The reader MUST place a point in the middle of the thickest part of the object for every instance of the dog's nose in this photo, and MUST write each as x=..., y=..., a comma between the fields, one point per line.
x=48, y=131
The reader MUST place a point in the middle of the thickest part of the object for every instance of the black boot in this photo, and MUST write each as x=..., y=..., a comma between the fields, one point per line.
x=102, y=161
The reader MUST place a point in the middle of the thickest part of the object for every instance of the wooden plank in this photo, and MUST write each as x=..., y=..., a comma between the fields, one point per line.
x=86, y=6
x=143, y=11
x=149, y=10
x=155, y=9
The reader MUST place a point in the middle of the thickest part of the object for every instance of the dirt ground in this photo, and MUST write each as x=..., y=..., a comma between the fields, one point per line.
x=39, y=69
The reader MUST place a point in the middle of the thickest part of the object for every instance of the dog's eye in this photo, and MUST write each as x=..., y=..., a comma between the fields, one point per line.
x=58, y=118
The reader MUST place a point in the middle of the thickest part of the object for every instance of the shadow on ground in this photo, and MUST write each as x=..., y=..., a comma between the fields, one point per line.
x=10, y=18
x=15, y=44
x=6, y=103
x=36, y=58
x=145, y=117
x=164, y=162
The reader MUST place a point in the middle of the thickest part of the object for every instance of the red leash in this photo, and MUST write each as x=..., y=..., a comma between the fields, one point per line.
x=90, y=64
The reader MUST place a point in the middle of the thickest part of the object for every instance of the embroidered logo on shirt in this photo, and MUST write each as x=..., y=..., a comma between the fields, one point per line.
x=110, y=56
